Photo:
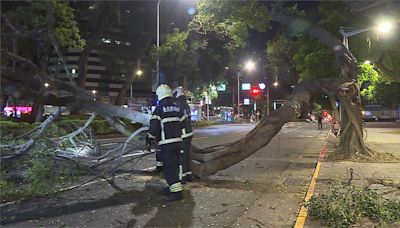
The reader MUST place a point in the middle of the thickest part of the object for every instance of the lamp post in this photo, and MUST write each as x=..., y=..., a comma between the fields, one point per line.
x=158, y=41
x=383, y=27
x=249, y=66
x=94, y=94
x=138, y=73
x=268, y=97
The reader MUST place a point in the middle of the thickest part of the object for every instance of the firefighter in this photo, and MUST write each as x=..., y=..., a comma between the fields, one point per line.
x=166, y=128
x=187, y=135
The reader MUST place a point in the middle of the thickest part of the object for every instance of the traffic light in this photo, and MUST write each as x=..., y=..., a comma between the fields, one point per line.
x=255, y=91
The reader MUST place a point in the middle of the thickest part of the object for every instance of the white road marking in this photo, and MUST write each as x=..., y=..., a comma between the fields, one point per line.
x=200, y=138
x=285, y=132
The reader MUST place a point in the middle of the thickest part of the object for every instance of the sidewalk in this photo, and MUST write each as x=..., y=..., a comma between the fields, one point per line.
x=331, y=173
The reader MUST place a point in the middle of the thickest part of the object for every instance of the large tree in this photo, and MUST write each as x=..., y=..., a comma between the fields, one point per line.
x=210, y=160
x=41, y=27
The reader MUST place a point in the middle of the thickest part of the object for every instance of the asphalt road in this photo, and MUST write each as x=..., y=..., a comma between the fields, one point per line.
x=264, y=190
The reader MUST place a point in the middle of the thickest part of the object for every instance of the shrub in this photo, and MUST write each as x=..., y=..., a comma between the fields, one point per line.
x=345, y=204
x=41, y=172
x=13, y=129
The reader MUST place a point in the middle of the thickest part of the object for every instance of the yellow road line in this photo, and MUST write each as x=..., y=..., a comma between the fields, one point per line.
x=301, y=217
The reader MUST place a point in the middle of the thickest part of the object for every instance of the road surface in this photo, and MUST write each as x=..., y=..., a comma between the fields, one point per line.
x=264, y=190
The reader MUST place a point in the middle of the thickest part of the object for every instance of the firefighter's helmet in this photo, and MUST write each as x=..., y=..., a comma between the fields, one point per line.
x=178, y=91
x=163, y=91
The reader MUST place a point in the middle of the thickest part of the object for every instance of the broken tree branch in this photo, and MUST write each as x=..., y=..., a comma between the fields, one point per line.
x=79, y=130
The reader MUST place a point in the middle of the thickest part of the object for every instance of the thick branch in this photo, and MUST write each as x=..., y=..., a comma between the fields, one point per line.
x=205, y=164
x=117, y=126
x=79, y=130
x=20, y=150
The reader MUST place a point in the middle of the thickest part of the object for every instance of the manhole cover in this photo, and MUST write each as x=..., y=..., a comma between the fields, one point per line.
x=295, y=182
x=310, y=156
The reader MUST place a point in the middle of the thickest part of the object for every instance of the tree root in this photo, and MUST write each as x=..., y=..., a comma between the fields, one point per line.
x=370, y=181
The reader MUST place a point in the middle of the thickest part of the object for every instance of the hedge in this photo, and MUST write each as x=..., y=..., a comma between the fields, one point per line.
x=99, y=126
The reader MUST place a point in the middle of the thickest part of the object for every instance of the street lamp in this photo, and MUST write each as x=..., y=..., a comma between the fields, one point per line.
x=248, y=66
x=46, y=84
x=94, y=94
x=268, y=97
x=383, y=27
x=138, y=73
x=158, y=39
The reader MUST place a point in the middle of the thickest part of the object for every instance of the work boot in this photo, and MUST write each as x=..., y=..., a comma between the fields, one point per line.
x=165, y=191
x=173, y=196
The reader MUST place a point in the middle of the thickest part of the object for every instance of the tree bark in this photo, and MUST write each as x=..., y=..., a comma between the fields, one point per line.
x=83, y=60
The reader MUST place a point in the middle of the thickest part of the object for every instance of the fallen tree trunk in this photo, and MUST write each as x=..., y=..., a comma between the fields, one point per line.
x=209, y=161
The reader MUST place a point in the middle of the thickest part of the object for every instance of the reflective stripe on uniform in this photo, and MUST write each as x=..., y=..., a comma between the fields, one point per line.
x=181, y=172
x=162, y=132
x=170, y=119
x=166, y=141
x=155, y=117
x=183, y=117
x=159, y=163
x=188, y=173
x=177, y=187
x=185, y=135
x=150, y=136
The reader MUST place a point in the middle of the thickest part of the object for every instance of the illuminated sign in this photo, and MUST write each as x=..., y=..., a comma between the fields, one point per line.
x=246, y=86
x=246, y=101
x=221, y=87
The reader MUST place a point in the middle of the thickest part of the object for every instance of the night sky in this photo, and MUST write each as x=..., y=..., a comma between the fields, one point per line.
x=175, y=14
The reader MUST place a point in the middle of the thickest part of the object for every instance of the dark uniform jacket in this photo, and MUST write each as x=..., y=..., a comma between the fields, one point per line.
x=187, y=131
x=166, y=123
